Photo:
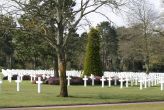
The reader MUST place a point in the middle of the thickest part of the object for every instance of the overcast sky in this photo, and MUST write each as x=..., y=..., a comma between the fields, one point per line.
x=118, y=18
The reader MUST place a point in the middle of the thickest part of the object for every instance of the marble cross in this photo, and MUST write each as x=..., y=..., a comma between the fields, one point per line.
x=145, y=82
x=39, y=82
x=103, y=80
x=141, y=82
x=109, y=81
x=136, y=81
x=85, y=81
x=44, y=76
x=9, y=78
x=34, y=76
x=115, y=80
x=31, y=76
x=18, y=81
x=68, y=80
x=21, y=77
x=161, y=82
x=92, y=78
x=127, y=81
x=121, y=82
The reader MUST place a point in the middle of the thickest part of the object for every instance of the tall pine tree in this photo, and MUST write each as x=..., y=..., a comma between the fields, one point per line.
x=92, y=64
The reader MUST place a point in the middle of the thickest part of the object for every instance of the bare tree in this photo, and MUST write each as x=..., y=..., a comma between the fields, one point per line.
x=141, y=12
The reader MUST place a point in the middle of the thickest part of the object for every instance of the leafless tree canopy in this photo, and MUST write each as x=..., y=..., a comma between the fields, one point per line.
x=141, y=11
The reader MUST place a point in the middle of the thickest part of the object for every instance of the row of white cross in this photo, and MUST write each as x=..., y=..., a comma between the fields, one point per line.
x=75, y=73
x=12, y=72
x=146, y=80
x=103, y=79
x=18, y=81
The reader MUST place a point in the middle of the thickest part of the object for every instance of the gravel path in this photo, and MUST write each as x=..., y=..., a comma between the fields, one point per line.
x=74, y=106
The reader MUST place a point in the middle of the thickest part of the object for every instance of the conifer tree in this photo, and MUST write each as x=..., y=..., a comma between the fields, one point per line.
x=92, y=64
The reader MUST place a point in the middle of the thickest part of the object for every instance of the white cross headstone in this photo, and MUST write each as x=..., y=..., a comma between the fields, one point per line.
x=115, y=80
x=127, y=81
x=155, y=80
x=34, y=76
x=9, y=78
x=21, y=77
x=158, y=79
x=31, y=76
x=92, y=78
x=152, y=81
x=161, y=82
x=136, y=81
x=44, y=76
x=121, y=82
x=68, y=80
x=141, y=82
x=39, y=82
x=103, y=80
x=145, y=82
x=161, y=86
x=85, y=80
x=18, y=83
x=109, y=81
x=149, y=82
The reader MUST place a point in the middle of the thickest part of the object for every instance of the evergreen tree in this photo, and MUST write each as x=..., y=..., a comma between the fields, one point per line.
x=6, y=40
x=108, y=46
x=92, y=64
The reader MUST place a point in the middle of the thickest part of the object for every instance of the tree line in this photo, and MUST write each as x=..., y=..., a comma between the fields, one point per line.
x=121, y=48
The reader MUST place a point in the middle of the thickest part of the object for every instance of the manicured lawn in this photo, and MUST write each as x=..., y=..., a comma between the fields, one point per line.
x=122, y=107
x=28, y=95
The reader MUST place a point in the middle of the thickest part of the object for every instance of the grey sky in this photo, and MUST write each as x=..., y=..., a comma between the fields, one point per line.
x=118, y=18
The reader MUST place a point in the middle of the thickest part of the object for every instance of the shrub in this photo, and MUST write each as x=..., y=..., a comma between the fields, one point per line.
x=52, y=81
x=76, y=81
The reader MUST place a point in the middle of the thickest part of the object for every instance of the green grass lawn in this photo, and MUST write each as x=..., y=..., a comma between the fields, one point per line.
x=121, y=107
x=28, y=95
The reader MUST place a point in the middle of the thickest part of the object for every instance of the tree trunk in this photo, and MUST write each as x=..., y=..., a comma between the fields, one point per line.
x=147, y=58
x=34, y=63
x=62, y=71
x=44, y=61
x=56, y=72
x=8, y=61
x=147, y=65
x=133, y=65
